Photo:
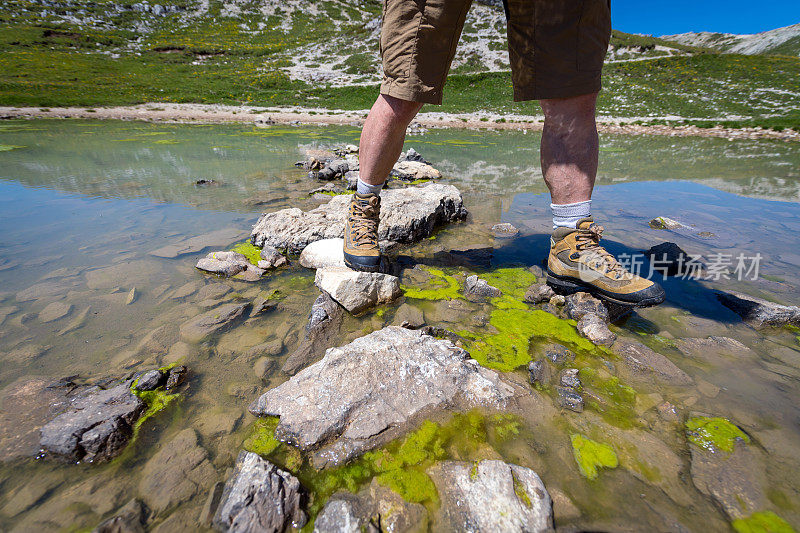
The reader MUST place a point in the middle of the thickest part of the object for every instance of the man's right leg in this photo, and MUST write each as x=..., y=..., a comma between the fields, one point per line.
x=381, y=143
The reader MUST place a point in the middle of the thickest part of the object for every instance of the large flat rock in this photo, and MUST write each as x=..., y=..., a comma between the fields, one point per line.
x=407, y=215
x=760, y=313
x=357, y=291
x=364, y=393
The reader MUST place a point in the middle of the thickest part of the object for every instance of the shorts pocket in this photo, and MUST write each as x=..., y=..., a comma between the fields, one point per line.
x=594, y=34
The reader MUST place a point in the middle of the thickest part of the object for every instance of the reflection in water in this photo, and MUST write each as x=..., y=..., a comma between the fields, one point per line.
x=84, y=204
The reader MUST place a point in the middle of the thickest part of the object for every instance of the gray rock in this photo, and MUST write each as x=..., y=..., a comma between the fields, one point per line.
x=666, y=223
x=538, y=372
x=263, y=367
x=407, y=215
x=594, y=328
x=341, y=515
x=559, y=354
x=758, y=312
x=504, y=230
x=569, y=378
x=329, y=187
x=414, y=170
x=363, y=394
x=669, y=259
x=225, y=263
x=568, y=398
x=324, y=253
x=54, y=311
x=95, y=427
x=214, y=321
x=129, y=519
x=539, y=293
x=476, y=288
x=179, y=470
x=259, y=497
x=491, y=496
x=176, y=377
x=150, y=380
x=642, y=359
x=413, y=155
x=580, y=304
x=357, y=291
x=271, y=258
x=196, y=244
x=324, y=323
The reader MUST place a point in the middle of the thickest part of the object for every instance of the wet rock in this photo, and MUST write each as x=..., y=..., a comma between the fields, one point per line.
x=559, y=354
x=186, y=289
x=78, y=322
x=617, y=311
x=214, y=321
x=569, y=399
x=581, y=304
x=569, y=378
x=594, y=328
x=758, y=312
x=213, y=291
x=539, y=293
x=363, y=394
x=712, y=346
x=357, y=291
x=324, y=253
x=265, y=301
x=412, y=155
x=669, y=259
x=271, y=258
x=342, y=514
x=491, y=496
x=176, y=377
x=129, y=519
x=131, y=297
x=667, y=412
x=538, y=372
x=54, y=311
x=409, y=316
x=504, y=230
x=150, y=380
x=329, y=187
x=643, y=360
x=476, y=288
x=259, y=497
x=25, y=496
x=95, y=427
x=159, y=340
x=179, y=470
x=225, y=263
x=26, y=353
x=263, y=367
x=407, y=215
x=666, y=223
x=324, y=323
x=196, y=244
x=414, y=170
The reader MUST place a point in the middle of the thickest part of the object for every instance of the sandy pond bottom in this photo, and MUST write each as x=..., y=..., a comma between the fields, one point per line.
x=102, y=222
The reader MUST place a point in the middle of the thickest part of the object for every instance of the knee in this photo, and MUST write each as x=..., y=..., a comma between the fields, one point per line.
x=400, y=110
x=569, y=111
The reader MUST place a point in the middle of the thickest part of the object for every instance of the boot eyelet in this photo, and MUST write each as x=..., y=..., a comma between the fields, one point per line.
x=574, y=256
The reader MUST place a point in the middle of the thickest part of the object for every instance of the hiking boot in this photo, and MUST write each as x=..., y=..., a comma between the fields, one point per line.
x=577, y=262
x=361, y=251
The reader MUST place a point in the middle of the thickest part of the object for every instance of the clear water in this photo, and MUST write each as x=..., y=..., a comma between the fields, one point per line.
x=83, y=204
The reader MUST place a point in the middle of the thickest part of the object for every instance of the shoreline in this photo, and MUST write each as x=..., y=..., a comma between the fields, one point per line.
x=260, y=116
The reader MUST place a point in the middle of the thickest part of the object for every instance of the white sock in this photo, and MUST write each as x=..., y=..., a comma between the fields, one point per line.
x=363, y=187
x=568, y=215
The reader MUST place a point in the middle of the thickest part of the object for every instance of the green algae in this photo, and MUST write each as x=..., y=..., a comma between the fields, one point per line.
x=713, y=433
x=249, y=250
x=592, y=455
x=762, y=522
x=156, y=400
x=519, y=490
x=505, y=426
x=618, y=400
x=508, y=348
x=441, y=287
x=261, y=438
x=9, y=147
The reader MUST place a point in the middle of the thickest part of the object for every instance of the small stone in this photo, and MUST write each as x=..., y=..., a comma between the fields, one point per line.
x=271, y=258
x=324, y=253
x=569, y=378
x=504, y=230
x=569, y=399
x=414, y=170
x=538, y=372
x=176, y=377
x=539, y=293
x=150, y=380
x=557, y=300
x=559, y=354
x=132, y=295
x=409, y=316
x=478, y=288
x=668, y=412
x=595, y=329
x=582, y=303
x=642, y=359
x=225, y=263
x=666, y=223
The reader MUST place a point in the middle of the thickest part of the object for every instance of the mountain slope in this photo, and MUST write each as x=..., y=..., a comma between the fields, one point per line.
x=785, y=41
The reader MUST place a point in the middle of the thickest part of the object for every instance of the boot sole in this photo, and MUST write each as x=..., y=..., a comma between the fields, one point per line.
x=361, y=268
x=571, y=285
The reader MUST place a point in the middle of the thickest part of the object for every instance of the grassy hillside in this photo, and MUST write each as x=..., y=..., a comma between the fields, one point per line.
x=780, y=41
x=324, y=54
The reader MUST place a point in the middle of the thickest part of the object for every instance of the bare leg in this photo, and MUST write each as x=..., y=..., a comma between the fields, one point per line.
x=569, y=147
x=382, y=137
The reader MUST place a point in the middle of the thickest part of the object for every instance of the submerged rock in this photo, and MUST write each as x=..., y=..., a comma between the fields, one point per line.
x=364, y=393
x=569, y=398
x=95, y=427
x=491, y=496
x=357, y=291
x=54, y=311
x=324, y=253
x=594, y=328
x=642, y=359
x=758, y=312
x=323, y=325
x=225, y=263
x=407, y=215
x=504, y=230
x=214, y=321
x=259, y=497
x=150, y=380
x=666, y=223
x=129, y=519
x=476, y=288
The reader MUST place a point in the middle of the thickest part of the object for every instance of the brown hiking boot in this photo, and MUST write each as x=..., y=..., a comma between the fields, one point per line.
x=577, y=262
x=361, y=251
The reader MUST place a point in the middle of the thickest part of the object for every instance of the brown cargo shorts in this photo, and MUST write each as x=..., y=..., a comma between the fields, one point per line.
x=556, y=47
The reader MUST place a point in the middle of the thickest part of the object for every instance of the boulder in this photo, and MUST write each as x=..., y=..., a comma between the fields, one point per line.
x=271, y=258
x=95, y=427
x=414, y=170
x=323, y=325
x=324, y=253
x=225, y=263
x=367, y=392
x=594, y=328
x=214, y=321
x=407, y=215
x=357, y=291
x=259, y=497
x=491, y=496
x=643, y=360
x=476, y=288
x=758, y=312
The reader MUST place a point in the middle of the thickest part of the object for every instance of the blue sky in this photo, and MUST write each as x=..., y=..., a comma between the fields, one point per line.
x=678, y=16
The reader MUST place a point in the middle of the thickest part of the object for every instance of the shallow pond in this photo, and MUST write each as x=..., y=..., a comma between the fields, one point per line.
x=106, y=220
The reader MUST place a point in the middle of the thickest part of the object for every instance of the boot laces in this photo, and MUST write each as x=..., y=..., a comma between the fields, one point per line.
x=364, y=221
x=589, y=240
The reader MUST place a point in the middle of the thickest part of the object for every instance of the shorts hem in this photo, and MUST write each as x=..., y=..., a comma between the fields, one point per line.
x=390, y=87
x=523, y=94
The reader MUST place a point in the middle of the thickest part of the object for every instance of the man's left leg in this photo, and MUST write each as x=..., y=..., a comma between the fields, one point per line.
x=569, y=156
